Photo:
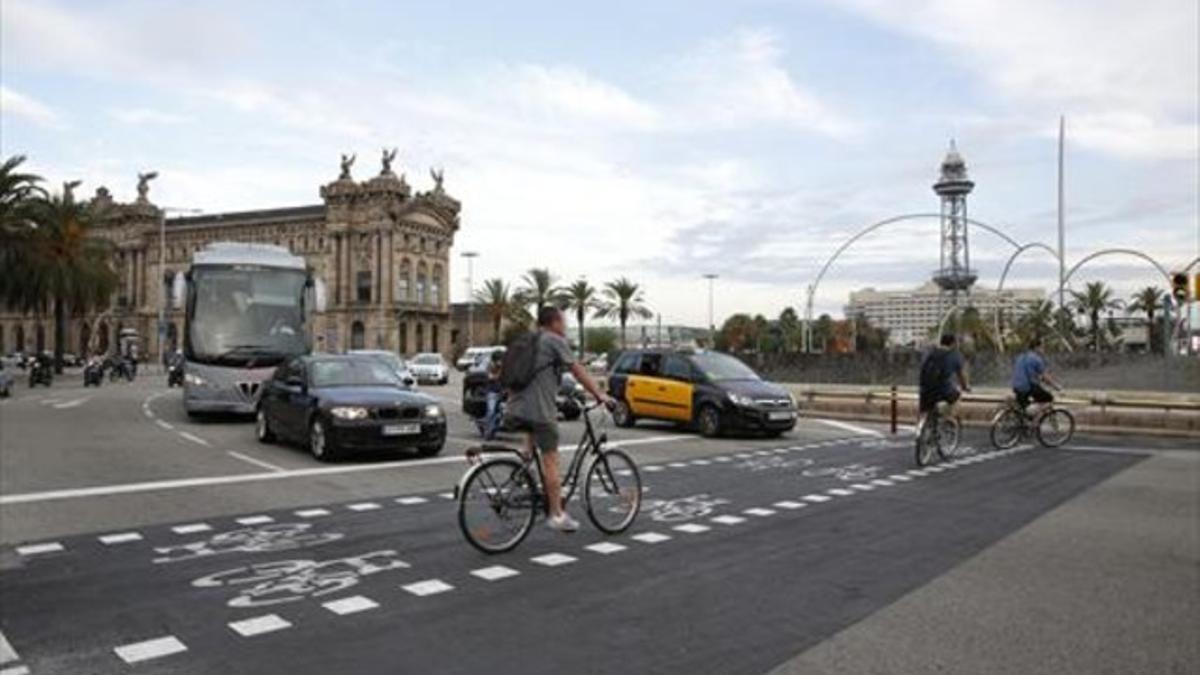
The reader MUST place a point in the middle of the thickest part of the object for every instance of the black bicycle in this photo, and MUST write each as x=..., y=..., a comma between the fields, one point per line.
x=500, y=496
x=1053, y=426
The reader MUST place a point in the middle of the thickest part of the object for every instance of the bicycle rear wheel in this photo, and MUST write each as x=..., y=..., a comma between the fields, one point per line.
x=1055, y=427
x=496, y=505
x=1006, y=428
x=613, y=491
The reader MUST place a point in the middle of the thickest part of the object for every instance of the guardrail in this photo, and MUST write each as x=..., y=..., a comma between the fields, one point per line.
x=1098, y=399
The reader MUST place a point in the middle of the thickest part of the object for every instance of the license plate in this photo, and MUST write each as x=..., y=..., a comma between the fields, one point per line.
x=775, y=416
x=401, y=429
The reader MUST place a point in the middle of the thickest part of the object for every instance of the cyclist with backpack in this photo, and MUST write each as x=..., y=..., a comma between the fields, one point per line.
x=942, y=365
x=532, y=368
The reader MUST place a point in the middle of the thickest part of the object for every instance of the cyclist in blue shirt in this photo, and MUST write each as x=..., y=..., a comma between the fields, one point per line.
x=1029, y=374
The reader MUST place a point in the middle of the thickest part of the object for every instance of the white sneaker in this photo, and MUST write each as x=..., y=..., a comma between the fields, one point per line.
x=563, y=523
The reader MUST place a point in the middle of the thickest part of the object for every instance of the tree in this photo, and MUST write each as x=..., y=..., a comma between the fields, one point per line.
x=868, y=338
x=64, y=266
x=790, y=329
x=18, y=192
x=1095, y=300
x=623, y=300
x=823, y=332
x=540, y=290
x=497, y=301
x=603, y=339
x=1148, y=301
x=738, y=333
x=581, y=298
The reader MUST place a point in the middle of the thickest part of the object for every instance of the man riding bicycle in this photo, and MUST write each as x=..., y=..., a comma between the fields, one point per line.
x=535, y=410
x=942, y=365
x=1029, y=374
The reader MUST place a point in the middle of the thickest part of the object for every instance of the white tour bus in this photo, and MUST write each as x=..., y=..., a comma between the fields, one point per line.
x=247, y=311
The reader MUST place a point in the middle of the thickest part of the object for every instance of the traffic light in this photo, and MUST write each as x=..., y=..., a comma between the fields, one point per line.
x=1179, y=287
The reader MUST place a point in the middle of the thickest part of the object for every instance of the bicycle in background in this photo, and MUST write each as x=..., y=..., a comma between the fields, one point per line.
x=499, y=497
x=1052, y=425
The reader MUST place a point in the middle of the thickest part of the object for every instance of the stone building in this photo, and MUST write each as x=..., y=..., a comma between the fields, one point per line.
x=382, y=251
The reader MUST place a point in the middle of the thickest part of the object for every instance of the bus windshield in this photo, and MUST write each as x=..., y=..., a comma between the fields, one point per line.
x=245, y=315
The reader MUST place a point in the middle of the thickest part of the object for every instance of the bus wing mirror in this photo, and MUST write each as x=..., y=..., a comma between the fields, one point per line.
x=178, y=290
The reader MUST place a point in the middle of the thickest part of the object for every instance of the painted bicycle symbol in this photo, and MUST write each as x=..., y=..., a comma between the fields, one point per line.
x=268, y=538
x=683, y=508
x=283, y=581
x=774, y=462
x=849, y=472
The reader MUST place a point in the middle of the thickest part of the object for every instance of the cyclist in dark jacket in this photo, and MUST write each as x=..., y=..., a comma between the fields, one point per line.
x=942, y=365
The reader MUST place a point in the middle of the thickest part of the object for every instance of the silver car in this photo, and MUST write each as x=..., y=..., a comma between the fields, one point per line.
x=430, y=368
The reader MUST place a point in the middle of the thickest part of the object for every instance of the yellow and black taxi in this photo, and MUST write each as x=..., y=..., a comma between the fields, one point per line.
x=710, y=391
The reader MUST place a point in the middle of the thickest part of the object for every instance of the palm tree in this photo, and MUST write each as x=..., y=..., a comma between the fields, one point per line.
x=540, y=290
x=624, y=299
x=65, y=266
x=497, y=301
x=581, y=298
x=1148, y=300
x=18, y=192
x=1095, y=299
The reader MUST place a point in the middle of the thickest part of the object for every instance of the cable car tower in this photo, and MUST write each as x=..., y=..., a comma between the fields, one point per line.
x=954, y=276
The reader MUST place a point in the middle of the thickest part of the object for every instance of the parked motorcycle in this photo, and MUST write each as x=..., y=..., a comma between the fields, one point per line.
x=40, y=372
x=93, y=372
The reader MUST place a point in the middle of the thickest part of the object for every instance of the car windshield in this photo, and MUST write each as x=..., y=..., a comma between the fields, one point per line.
x=242, y=315
x=722, y=367
x=427, y=360
x=354, y=373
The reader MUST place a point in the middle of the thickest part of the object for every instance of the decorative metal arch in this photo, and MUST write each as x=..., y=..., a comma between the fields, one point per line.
x=1004, y=276
x=1114, y=251
x=1188, y=268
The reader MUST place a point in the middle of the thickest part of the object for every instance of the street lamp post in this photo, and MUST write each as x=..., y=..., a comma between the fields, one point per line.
x=712, y=329
x=470, y=256
x=162, y=273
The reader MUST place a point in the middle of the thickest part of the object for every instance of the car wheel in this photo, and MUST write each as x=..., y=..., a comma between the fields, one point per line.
x=262, y=427
x=709, y=421
x=318, y=442
x=622, y=415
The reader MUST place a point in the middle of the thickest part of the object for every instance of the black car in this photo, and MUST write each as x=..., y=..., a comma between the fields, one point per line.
x=336, y=405
x=708, y=390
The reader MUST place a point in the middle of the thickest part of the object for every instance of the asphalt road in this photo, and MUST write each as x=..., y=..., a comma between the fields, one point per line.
x=137, y=541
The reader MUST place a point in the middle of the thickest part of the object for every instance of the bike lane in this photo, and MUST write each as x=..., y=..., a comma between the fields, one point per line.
x=740, y=543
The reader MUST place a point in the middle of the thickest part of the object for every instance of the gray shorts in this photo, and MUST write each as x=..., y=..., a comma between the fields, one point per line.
x=544, y=434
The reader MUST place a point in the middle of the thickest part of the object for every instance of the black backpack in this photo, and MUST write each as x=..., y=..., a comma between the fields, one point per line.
x=520, y=362
x=933, y=369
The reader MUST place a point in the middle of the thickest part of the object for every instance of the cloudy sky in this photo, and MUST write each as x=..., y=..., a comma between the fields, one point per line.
x=658, y=140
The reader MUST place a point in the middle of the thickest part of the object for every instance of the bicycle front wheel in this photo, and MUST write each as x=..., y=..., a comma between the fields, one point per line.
x=948, y=436
x=496, y=505
x=925, y=441
x=1055, y=427
x=613, y=491
x=1006, y=429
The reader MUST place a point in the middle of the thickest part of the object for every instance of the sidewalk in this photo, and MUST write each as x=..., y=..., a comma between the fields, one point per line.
x=1107, y=583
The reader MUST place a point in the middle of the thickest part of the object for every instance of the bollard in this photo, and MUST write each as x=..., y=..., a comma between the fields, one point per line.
x=894, y=410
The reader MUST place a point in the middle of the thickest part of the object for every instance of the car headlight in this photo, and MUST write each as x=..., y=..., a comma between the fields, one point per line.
x=738, y=399
x=433, y=410
x=349, y=412
x=194, y=380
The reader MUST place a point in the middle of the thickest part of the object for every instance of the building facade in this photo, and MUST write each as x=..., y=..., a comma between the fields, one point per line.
x=910, y=315
x=381, y=250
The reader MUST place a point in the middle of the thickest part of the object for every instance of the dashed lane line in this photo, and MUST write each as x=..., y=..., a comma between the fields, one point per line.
x=790, y=505
x=165, y=425
x=350, y=605
x=74, y=403
x=495, y=572
x=691, y=528
x=255, y=461
x=195, y=439
x=651, y=537
x=119, y=538
x=727, y=520
x=150, y=649
x=15, y=670
x=254, y=520
x=365, y=506
x=313, y=513
x=37, y=549
x=838, y=424
x=605, y=548
x=191, y=528
x=427, y=587
x=267, y=623
x=553, y=559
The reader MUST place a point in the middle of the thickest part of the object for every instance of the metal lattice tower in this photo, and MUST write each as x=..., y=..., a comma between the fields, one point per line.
x=954, y=276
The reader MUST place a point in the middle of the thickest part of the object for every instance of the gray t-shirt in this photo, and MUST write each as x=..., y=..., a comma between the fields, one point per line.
x=536, y=402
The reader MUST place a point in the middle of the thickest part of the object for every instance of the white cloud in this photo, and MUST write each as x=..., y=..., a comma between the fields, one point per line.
x=146, y=116
x=556, y=91
x=26, y=107
x=1126, y=75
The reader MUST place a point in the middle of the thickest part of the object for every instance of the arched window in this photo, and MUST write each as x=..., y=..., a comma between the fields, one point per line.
x=435, y=288
x=358, y=339
x=404, y=282
x=422, y=285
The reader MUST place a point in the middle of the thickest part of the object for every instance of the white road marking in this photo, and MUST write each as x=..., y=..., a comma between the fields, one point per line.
x=863, y=487
x=677, y=465
x=150, y=649
x=854, y=428
x=605, y=548
x=267, y=623
x=840, y=492
x=446, y=495
x=75, y=403
x=899, y=477
x=882, y=482
x=816, y=499
x=35, y=549
x=918, y=472
x=15, y=670
x=782, y=451
x=203, y=481
x=651, y=537
x=149, y=415
x=120, y=538
x=427, y=587
x=553, y=559
x=934, y=469
x=192, y=528
x=649, y=469
x=762, y=453
x=312, y=513
x=409, y=501
x=364, y=506
x=701, y=462
x=350, y=605
x=195, y=439
x=256, y=462
x=494, y=573
x=722, y=459
x=7, y=653
x=787, y=504
x=691, y=528
x=760, y=512
x=728, y=520
x=744, y=455
x=164, y=424
x=255, y=520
